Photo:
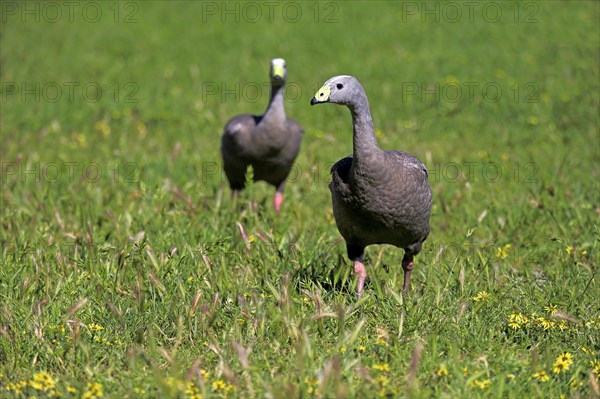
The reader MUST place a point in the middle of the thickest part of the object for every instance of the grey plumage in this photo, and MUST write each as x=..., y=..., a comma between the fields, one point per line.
x=378, y=197
x=269, y=142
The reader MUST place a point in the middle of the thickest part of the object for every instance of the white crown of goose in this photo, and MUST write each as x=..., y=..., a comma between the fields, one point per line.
x=278, y=62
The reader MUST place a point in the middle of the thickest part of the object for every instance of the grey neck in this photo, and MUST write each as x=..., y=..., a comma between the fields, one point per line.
x=275, y=110
x=365, y=145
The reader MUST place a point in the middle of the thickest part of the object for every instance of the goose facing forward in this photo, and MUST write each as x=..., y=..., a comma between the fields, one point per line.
x=269, y=142
x=379, y=197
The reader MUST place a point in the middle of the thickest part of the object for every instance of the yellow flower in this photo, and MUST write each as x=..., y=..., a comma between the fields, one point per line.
x=95, y=327
x=311, y=381
x=192, y=390
x=541, y=376
x=141, y=128
x=103, y=127
x=562, y=325
x=551, y=308
x=220, y=385
x=502, y=252
x=93, y=391
x=452, y=79
x=70, y=389
x=361, y=348
x=565, y=357
x=533, y=120
x=382, y=381
x=482, y=384
x=576, y=384
x=442, y=371
x=465, y=371
x=560, y=366
x=517, y=320
x=481, y=296
x=42, y=381
x=382, y=367
x=545, y=323
x=595, y=367
x=204, y=374
x=570, y=249
x=587, y=350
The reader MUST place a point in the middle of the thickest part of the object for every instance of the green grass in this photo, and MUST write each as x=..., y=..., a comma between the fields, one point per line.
x=122, y=264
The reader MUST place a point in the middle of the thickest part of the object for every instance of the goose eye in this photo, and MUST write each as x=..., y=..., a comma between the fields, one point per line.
x=339, y=86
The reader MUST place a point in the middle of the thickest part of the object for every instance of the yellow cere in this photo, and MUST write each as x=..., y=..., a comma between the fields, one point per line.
x=278, y=70
x=323, y=93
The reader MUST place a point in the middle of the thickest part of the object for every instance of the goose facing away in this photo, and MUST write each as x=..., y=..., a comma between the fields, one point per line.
x=378, y=197
x=269, y=142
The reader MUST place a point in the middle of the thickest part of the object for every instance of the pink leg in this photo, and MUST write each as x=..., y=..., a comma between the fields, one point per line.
x=359, y=268
x=277, y=201
x=407, y=265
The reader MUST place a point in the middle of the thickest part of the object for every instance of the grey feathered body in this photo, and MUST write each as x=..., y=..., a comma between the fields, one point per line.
x=387, y=201
x=379, y=197
x=269, y=142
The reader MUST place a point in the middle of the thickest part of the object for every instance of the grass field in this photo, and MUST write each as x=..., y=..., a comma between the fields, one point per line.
x=122, y=269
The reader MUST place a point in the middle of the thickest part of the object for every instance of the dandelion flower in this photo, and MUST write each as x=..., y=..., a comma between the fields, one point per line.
x=560, y=366
x=93, y=391
x=541, y=376
x=502, y=252
x=382, y=367
x=576, y=384
x=587, y=350
x=45, y=379
x=193, y=391
x=312, y=385
x=595, y=367
x=442, y=371
x=565, y=357
x=481, y=296
x=482, y=384
x=551, y=309
x=382, y=380
x=517, y=320
x=546, y=324
x=95, y=327
x=220, y=385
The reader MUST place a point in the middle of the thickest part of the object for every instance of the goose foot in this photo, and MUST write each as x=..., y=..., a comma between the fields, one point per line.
x=359, y=269
x=277, y=202
x=407, y=265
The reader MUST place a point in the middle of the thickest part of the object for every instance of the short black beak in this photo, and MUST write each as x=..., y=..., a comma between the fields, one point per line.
x=314, y=101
